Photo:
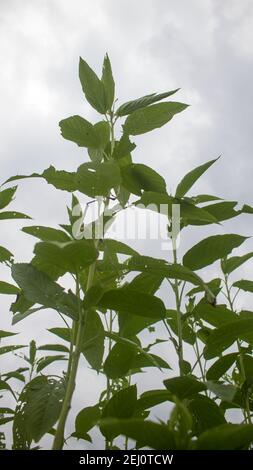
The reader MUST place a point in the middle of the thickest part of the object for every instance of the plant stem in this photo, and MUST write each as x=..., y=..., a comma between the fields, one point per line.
x=179, y=315
x=73, y=366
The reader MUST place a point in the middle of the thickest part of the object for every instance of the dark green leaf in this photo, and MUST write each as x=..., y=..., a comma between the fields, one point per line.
x=96, y=179
x=146, y=119
x=6, y=196
x=215, y=315
x=184, y=387
x=4, y=334
x=13, y=215
x=93, y=339
x=6, y=288
x=108, y=82
x=46, y=234
x=223, y=337
x=70, y=256
x=220, y=367
x=226, y=437
x=206, y=414
x=39, y=288
x=46, y=361
x=119, y=361
x=60, y=179
x=5, y=255
x=244, y=285
x=137, y=177
x=122, y=406
x=6, y=349
x=211, y=249
x=38, y=408
x=78, y=130
x=160, y=267
x=133, y=105
x=93, y=88
x=146, y=433
x=53, y=347
x=190, y=178
x=86, y=420
x=234, y=262
x=129, y=301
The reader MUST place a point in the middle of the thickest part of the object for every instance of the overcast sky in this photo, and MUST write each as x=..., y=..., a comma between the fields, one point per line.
x=202, y=46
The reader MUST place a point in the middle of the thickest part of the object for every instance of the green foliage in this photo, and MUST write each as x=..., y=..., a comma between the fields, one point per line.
x=111, y=317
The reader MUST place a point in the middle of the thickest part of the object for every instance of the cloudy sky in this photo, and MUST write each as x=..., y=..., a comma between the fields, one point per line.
x=202, y=46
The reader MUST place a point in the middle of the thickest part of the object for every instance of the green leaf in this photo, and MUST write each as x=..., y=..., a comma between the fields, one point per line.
x=152, y=398
x=220, y=367
x=234, y=262
x=129, y=301
x=86, y=419
x=60, y=179
x=96, y=179
x=70, y=256
x=222, y=210
x=6, y=411
x=149, y=360
x=206, y=414
x=211, y=249
x=93, y=88
x=187, y=332
x=123, y=148
x=223, y=337
x=163, y=203
x=190, y=178
x=122, y=406
x=6, y=349
x=226, y=437
x=4, y=334
x=78, y=130
x=13, y=215
x=215, y=315
x=119, y=360
x=21, y=316
x=115, y=246
x=5, y=386
x=225, y=392
x=39, y=288
x=5, y=255
x=108, y=82
x=39, y=407
x=244, y=285
x=53, y=347
x=133, y=105
x=6, y=196
x=160, y=267
x=93, y=339
x=6, y=288
x=137, y=177
x=184, y=387
x=214, y=286
x=146, y=119
x=146, y=433
x=46, y=234
x=46, y=361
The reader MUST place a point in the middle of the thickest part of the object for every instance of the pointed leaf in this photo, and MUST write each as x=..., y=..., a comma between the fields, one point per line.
x=154, y=116
x=188, y=181
x=133, y=105
x=92, y=87
x=108, y=82
x=211, y=249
